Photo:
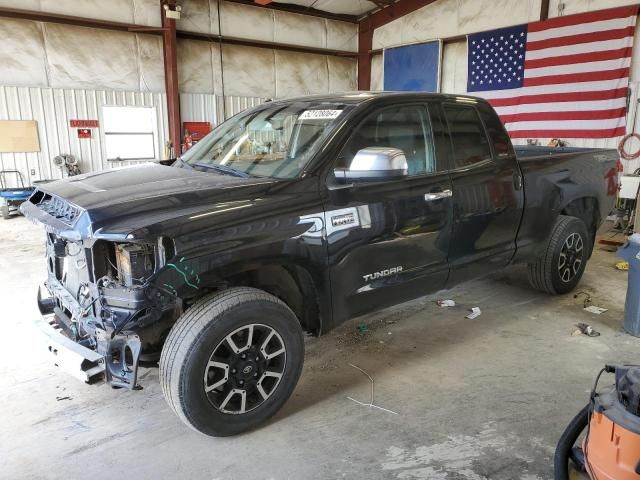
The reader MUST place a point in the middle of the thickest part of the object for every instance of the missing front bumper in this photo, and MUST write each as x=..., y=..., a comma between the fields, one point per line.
x=84, y=363
x=80, y=362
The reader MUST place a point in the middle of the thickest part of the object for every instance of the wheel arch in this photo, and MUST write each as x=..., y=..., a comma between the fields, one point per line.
x=294, y=284
x=586, y=209
x=301, y=286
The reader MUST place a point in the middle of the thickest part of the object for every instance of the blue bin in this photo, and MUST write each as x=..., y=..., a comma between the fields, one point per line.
x=631, y=253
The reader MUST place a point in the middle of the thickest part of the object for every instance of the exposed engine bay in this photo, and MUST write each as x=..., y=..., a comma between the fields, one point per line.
x=101, y=290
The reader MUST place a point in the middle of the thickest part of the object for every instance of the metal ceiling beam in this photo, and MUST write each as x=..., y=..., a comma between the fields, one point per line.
x=225, y=40
x=66, y=19
x=394, y=11
x=291, y=8
x=128, y=27
x=365, y=33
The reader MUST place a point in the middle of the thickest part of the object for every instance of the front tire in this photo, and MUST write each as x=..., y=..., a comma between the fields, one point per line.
x=5, y=212
x=231, y=361
x=559, y=269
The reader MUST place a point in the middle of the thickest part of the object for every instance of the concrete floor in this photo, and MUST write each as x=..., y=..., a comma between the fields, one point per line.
x=475, y=399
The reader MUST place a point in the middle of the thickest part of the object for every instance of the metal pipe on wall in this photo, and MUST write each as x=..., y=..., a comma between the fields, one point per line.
x=170, y=57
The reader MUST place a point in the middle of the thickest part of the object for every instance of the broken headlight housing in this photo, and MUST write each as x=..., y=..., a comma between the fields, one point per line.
x=134, y=262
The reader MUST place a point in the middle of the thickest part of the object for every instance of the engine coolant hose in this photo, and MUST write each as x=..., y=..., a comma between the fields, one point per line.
x=566, y=443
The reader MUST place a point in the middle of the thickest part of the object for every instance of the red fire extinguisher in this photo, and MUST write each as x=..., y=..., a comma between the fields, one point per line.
x=188, y=140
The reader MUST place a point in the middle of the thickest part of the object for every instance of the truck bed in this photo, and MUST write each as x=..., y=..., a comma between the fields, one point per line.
x=553, y=177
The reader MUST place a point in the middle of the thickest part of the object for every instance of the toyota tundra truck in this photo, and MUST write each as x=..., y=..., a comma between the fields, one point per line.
x=290, y=218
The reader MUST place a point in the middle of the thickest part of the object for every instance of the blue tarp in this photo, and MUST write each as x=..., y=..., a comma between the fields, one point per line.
x=412, y=68
x=13, y=194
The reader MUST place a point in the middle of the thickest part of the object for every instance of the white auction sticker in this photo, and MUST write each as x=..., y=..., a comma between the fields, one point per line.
x=319, y=114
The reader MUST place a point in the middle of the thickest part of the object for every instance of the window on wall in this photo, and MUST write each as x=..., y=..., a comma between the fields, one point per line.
x=129, y=132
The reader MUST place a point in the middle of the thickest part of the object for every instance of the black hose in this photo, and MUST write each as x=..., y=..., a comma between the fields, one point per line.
x=566, y=442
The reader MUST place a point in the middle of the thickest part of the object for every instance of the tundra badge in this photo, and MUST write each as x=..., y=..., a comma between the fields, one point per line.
x=382, y=273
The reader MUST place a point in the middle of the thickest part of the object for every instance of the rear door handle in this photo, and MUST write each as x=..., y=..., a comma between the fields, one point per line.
x=517, y=181
x=438, y=195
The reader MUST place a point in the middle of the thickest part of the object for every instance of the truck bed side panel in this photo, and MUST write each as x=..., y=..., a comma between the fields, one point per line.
x=557, y=178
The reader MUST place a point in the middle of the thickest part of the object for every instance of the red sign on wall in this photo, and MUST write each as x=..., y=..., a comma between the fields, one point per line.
x=84, y=133
x=196, y=129
x=83, y=123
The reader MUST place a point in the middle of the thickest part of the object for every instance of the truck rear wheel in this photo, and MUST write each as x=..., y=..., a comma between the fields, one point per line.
x=231, y=361
x=559, y=269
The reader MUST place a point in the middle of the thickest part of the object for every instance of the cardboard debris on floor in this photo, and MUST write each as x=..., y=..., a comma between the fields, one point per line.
x=596, y=310
x=475, y=313
x=610, y=245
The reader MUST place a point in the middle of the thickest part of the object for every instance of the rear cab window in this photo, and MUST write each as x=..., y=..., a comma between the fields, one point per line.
x=497, y=133
x=470, y=142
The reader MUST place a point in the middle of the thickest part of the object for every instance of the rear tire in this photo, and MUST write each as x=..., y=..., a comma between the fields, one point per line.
x=5, y=212
x=238, y=340
x=559, y=269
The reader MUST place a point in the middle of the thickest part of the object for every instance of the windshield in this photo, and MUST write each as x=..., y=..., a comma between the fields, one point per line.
x=276, y=140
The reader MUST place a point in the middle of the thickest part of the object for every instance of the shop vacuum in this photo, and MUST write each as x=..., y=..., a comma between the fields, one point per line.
x=611, y=422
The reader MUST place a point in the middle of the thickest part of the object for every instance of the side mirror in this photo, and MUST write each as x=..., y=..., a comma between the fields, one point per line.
x=374, y=164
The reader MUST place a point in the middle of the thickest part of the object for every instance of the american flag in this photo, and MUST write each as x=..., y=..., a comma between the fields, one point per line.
x=565, y=77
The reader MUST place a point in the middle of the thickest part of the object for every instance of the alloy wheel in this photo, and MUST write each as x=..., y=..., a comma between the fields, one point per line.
x=571, y=257
x=245, y=369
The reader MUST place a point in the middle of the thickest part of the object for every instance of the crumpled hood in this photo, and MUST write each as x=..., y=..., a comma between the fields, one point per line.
x=124, y=200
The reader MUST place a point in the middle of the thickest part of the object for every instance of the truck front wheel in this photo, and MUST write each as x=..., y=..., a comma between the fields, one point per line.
x=561, y=265
x=231, y=361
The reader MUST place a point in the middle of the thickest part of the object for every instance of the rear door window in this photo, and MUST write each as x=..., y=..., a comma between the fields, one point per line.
x=470, y=142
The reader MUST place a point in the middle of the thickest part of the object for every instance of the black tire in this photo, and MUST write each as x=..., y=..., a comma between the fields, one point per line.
x=545, y=274
x=201, y=330
x=5, y=212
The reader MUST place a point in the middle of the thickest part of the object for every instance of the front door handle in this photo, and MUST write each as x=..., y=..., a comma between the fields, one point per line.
x=438, y=195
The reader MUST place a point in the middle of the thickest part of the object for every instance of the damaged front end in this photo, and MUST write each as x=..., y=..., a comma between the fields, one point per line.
x=103, y=312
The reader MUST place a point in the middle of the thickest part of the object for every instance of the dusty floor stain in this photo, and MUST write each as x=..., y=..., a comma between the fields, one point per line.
x=458, y=457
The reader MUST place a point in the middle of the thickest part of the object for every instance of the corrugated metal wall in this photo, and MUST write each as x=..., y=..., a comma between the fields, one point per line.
x=204, y=107
x=52, y=108
x=67, y=72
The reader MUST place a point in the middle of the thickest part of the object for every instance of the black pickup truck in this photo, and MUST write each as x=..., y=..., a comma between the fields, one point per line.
x=293, y=217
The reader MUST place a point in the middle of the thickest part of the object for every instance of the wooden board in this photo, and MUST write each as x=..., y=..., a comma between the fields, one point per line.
x=19, y=136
